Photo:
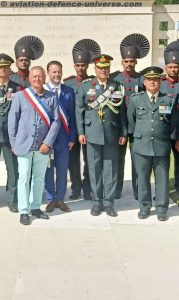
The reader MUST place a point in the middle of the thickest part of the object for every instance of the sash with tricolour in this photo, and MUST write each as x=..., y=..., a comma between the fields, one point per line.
x=38, y=105
x=62, y=115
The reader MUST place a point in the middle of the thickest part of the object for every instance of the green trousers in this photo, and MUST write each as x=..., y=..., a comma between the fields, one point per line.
x=160, y=166
x=121, y=162
x=12, y=172
x=103, y=172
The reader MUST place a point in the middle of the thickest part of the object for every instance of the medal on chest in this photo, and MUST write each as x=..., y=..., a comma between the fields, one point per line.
x=91, y=94
x=164, y=109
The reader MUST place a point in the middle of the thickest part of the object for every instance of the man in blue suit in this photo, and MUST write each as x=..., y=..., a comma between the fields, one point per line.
x=33, y=124
x=65, y=139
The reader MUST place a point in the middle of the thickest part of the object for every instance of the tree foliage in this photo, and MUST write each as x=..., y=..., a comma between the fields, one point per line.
x=164, y=2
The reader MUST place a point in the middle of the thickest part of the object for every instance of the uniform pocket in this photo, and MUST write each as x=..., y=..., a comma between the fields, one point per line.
x=140, y=112
x=87, y=122
x=137, y=135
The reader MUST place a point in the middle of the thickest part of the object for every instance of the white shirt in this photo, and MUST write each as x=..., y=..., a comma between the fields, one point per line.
x=102, y=83
x=56, y=87
x=151, y=96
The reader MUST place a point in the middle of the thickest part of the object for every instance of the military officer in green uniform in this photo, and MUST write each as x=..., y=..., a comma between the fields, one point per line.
x=81, y=59
x=102, y=125
x=170, y=86
x=149, y=117
x=26, y=49
x=7, y=89
x=175, y=124
x=132, y=47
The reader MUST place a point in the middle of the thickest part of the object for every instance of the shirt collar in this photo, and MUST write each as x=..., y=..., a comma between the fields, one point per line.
x=129, y=75
x=104, y=83
x=24, y=73
x=40, y=95
x=5, y=84
x=150, y=95
x=53, y=86
x=172, y=80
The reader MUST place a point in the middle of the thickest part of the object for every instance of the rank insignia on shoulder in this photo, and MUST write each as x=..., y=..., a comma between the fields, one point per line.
x=139, y=93
x=86, y=80
x=70, y=77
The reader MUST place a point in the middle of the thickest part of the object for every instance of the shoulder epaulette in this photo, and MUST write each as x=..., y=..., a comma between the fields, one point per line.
x=168, y=95
x=87, y=79
x=70, y=77
x=139, y=93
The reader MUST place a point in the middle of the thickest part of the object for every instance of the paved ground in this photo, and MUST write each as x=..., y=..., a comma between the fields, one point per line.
x=76, y=256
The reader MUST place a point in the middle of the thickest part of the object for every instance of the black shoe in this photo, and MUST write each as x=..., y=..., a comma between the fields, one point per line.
x=96, y=210
x=162, y=217
x=87, y=197
x=75, y=196
x=143, y=214
x=13, y=207
x=24, y=219
x=118, y=196
x=110, y=211
x=135, y=196
x=39, y=214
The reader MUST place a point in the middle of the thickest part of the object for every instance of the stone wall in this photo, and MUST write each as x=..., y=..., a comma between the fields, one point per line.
x=61, y=28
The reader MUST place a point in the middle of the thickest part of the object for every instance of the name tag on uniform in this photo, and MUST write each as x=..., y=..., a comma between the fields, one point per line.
x=91, y=92
x=165, y=109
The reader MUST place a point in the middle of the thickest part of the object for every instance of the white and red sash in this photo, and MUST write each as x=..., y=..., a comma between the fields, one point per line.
x=63, y=117
x=38, y=105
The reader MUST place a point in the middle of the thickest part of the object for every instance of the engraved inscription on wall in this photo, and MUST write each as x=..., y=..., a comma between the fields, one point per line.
x=60, y=33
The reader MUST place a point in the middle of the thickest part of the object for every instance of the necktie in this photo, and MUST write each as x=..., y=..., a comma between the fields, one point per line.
x=56, y=92
x=102, y=87
x=153, y=100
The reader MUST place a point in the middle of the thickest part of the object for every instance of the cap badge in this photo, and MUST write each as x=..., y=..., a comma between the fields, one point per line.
x=79, y=56
x=23, y=50
x=102, y=59
x=173, y=57
x=128, y=52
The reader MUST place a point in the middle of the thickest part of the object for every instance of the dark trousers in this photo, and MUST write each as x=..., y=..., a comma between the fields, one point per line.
x=160, y=166
x=56, y=190
x=86, y=179
x=12, y=172
x=75, y=171
x=176, y=165
x=121, y=162
x=103, y=172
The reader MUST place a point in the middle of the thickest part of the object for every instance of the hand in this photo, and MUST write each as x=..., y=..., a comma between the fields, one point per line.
x=82, y=139
x=122, y=140
x=70, y=145
x=177, y=146
x=44, y=148
x=13, y=151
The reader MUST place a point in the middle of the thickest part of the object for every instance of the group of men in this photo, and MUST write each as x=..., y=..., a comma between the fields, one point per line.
x=45, y=124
